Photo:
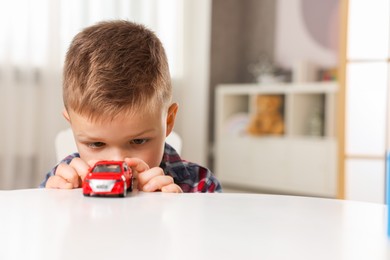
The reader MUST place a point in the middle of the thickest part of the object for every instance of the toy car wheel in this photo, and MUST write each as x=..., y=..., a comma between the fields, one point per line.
x=130, y=188
x=124, y=192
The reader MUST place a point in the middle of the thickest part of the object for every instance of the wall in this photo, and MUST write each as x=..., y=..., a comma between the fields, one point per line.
x=307, y=31
x=241, y=30
x=191, y=91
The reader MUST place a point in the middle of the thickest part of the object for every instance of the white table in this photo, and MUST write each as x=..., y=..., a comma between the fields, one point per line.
x=62, y=224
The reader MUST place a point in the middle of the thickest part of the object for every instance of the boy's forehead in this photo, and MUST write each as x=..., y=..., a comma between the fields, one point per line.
x=137, y=118
x=105, y=113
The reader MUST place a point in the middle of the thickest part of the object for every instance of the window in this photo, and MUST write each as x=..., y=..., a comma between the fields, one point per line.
x=37, y=31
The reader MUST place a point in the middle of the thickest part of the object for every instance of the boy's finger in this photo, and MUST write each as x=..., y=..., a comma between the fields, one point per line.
x=80, y=166
x=137, y=164
x=172, y=188
x=57, y=182
x=157, y=183
x=69, y=174
x=146, y=176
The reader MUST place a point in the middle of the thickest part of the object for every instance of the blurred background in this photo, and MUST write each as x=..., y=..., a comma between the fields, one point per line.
x=326, y=61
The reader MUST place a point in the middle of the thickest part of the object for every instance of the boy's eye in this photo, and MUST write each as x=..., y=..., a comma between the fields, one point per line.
x=138, y=141
x=96, y=145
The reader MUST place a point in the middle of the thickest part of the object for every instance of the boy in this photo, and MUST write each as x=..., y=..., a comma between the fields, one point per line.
x=117, y=94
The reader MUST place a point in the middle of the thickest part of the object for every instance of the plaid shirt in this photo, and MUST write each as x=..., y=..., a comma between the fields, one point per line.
x=189, y=176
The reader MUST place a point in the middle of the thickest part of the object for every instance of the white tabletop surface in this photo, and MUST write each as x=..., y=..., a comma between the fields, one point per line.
x=63, y=224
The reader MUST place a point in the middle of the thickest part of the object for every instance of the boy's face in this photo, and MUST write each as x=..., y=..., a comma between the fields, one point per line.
x=141, y=135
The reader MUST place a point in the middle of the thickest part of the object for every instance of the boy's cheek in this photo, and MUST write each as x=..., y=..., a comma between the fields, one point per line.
x=153, y=157
x=87, y=156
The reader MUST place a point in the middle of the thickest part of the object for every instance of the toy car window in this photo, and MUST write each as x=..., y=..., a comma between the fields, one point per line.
x=107, y=168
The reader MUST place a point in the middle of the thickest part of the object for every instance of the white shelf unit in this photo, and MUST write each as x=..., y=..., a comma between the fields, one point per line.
x=292, y=163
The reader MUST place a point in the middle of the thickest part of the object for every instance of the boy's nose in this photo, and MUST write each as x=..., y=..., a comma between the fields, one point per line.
x=118, y=155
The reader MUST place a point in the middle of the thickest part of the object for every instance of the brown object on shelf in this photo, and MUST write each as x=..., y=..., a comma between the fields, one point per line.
x=268, y=119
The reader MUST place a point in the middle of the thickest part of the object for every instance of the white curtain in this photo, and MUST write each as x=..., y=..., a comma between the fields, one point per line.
x=34, y=36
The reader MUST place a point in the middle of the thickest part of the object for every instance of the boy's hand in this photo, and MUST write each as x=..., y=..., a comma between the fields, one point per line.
x=153, y=179
x=68, y=176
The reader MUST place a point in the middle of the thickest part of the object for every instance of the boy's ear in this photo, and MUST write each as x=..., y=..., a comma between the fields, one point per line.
x=171, y=117
x=65, y=115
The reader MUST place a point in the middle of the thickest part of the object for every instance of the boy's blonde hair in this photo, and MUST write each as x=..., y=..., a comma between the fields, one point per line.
x=114, y=67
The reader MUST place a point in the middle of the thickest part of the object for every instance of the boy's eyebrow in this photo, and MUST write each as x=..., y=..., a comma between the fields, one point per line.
x=86, y=136
x=142, y=133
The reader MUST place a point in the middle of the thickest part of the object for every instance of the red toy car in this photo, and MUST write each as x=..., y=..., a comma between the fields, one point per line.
x=107, y=178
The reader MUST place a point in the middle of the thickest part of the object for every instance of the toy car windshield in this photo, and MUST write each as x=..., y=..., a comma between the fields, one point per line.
x=107, y=168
